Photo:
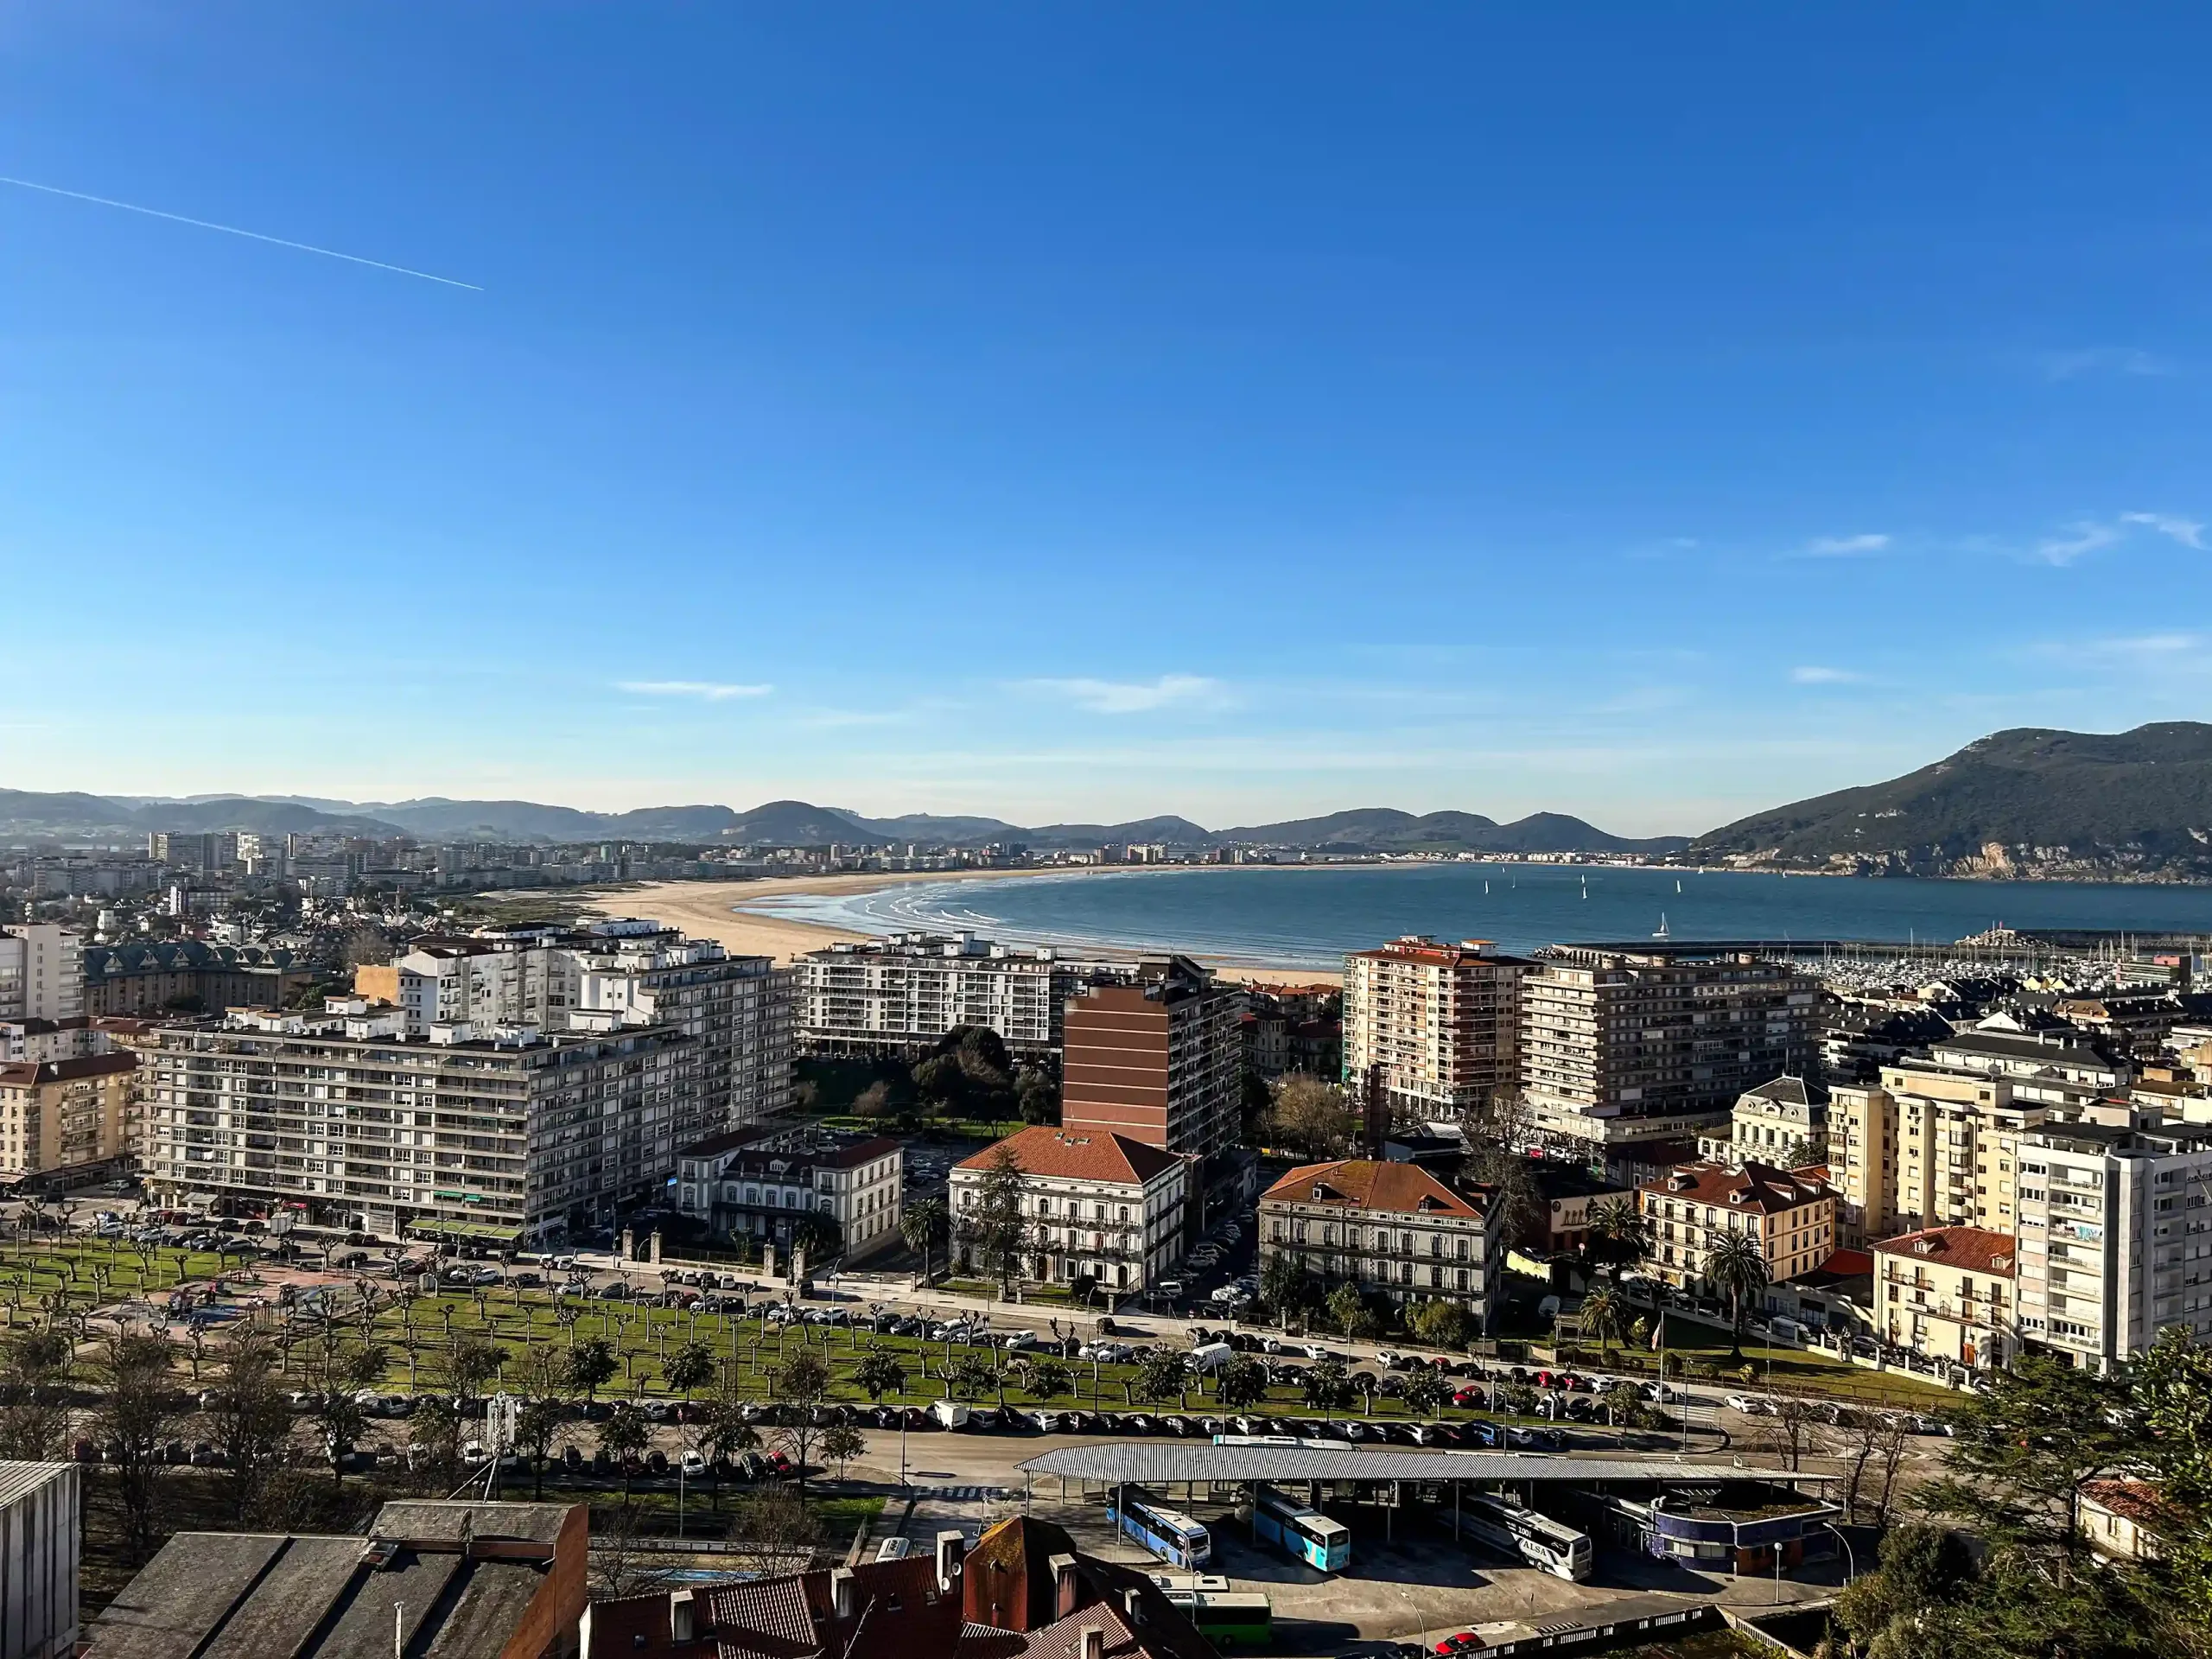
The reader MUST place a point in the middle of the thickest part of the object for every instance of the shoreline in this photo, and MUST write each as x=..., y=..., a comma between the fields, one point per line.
x=708, y=910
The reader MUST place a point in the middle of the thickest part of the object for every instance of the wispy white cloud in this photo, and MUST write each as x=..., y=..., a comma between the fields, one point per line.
x=1845, y=547
x=2083, y=536
x=1812, y=674
x=704, y=690
x=2188, y=531
x=1133, y=696
x=2102, y=360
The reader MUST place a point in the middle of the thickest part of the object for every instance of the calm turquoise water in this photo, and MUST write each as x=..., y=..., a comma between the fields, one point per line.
x=1311, y=918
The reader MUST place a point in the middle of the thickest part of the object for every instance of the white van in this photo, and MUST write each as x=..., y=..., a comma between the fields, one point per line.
x=953, y=1414
x=1209, y=1356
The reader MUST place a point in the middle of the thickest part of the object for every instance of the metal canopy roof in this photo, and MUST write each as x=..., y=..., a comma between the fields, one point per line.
x=1157, y=1463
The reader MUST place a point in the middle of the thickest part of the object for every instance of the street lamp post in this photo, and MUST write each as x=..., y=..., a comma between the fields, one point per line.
x=1850, y=1555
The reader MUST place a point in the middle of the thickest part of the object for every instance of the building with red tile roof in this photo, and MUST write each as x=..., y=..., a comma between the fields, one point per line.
x=1947, y=1293
x=1093, y=1205
x=1432, y=1029
x=1790, y=1214
x=1392, y=1229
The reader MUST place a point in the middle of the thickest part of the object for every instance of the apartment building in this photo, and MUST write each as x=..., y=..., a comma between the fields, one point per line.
x=900, y=994
x=606, y=976
x=1790, y=1214
x=1621, y=1044
x=1431, y=1030
x=204, y=853
x=170, y=976
x=757, y=1183
x=1779, y=1123
x=2115, y=1236
x=1947, y=1293
x=1393, y=1229
x=516, y=1131
x=65, y=1114
x=1929, y=1145
x=2060, y=1051
x=1095, y=1205
x=1160, y=1061
x=42, y=972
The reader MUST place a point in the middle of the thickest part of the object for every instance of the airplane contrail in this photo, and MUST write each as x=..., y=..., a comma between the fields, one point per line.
x=232, y=230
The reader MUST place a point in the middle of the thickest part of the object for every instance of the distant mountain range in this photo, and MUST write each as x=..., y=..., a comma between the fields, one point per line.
x=783, y=823
x=2025, y=804
x=2028, y=803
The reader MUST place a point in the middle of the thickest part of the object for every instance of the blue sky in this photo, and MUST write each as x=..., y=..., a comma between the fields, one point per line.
x=1080, y=411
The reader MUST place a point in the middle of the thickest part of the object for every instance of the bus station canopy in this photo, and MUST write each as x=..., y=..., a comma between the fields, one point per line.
x=1174, y=1463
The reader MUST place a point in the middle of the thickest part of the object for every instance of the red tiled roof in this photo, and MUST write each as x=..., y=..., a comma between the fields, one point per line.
x=1971, y=1249
x=1756, y=1186
x=1370, y=1184
x=1085, y=1155
x=2131, y=1500
x=768, y=1617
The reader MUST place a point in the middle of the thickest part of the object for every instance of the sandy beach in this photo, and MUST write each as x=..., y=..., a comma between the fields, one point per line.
x=706, y=910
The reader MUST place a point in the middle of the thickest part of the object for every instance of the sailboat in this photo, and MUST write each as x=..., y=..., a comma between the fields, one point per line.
x=1661, y=933
x=1678, y=884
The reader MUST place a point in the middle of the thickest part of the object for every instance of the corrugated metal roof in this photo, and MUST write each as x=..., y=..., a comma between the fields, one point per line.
x=19, y=1479
x=1172, y=1462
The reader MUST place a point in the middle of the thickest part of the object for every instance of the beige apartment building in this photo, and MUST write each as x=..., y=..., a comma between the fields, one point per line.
x=1946, y=1292
x=1789, y=1214
x=1928, y=1146
x=1431, y=1030
x=58, y=1114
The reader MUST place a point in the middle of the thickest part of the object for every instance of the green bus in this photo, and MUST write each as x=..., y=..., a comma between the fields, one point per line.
x=1228, y=1618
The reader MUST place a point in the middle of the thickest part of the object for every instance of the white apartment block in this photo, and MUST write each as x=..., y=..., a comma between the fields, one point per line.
x=1431, y=1030
x=609, y=976
x=906, y=991
x=1095, y=1205
x=343, y=1117
x=2116, y=1237
x=1392, y=1229
x=42, y=972
x=1929, y=1145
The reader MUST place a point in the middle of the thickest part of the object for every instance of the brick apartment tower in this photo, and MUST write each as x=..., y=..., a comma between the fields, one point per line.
x=1160, y=1061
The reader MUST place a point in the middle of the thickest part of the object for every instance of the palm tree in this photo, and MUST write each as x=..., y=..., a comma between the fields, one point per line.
x=924, y=1226
x=1603, y=1315
x=1736, y=1267
x=1619, y=1236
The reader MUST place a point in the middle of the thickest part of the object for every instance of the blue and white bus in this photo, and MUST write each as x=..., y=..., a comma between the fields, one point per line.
x=1169, y=1533
x=1307, y=1533
x=1510, y=1528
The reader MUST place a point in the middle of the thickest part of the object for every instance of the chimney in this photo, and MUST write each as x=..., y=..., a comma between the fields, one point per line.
x=1133, y=1606
x=950, y=1546
x=1090, y=1642
x=1065, y=1585
x=841, y=1591
x=682, y=1617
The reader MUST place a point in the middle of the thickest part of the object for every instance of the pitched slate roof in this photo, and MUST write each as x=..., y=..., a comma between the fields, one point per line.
x=1371, y=1183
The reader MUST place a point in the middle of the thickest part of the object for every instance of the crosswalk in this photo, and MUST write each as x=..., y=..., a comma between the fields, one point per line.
x=967, y=1494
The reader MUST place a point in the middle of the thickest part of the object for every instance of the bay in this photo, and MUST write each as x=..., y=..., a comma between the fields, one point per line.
x=1309, y=917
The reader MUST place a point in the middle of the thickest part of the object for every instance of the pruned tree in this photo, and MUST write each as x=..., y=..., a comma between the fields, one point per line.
x=1310, y=1114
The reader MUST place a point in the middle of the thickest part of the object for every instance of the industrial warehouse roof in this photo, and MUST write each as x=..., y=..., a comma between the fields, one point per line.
x=1158, y=1463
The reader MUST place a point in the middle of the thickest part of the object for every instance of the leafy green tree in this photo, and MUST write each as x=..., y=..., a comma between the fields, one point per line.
x=1310, y=1114
x=725, y=1430
x=591, y=1366
x=2024, y=1447
x=1049, y=1379
x=690, y=1368
x=1439, y=1323
x=1161, y=1372
x=35, y=1365
x=818, y=1234
x=969, y=1377
x=1426, y=1392
x=1736, y=1267
x=924, y=1226
x=880, y=1372
x=1285, y=1286
x=1349, y=1313
x=2172, y=1388
x=1326, y=1385
x=466, y=1363
x=1243, y=1382
x=1619, y=1236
